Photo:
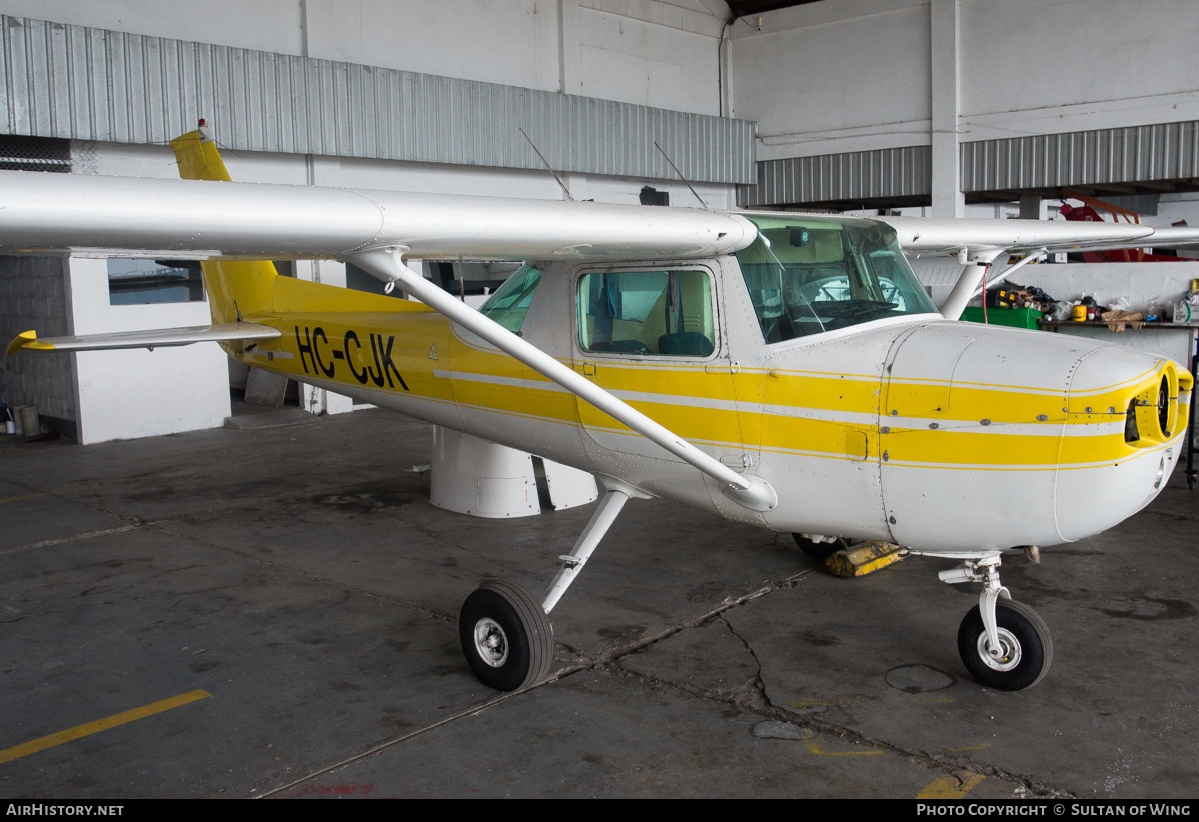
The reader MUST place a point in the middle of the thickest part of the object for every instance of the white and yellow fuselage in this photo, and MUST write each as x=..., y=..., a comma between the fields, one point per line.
x=918, y=431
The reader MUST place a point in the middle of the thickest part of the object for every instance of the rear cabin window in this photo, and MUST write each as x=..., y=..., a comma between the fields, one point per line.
x=647, y=313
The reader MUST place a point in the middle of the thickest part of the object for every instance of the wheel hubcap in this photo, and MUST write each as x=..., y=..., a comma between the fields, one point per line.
x=1006, y=657
x=491, y=642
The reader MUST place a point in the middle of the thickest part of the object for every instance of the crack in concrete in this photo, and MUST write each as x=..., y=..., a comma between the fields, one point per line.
x=751, y=697
x=45, y=543
x=756, y=679
x=474, y=710
x=609, y=655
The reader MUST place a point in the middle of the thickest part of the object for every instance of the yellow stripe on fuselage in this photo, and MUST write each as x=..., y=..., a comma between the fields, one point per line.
x=411, y=350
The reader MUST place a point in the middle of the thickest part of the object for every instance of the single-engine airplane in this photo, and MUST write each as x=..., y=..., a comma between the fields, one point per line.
x=779, y=369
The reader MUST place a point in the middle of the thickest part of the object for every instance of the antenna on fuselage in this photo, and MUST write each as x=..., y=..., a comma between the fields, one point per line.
x=681, y=177
x=548, y=167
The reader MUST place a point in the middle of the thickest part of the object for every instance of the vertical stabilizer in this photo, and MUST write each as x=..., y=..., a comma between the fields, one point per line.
x=236, y=289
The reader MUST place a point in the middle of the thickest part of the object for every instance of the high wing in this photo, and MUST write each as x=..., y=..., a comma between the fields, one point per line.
x=201, y=219
x=986, y=239
x=204, y=219
x=980, y=242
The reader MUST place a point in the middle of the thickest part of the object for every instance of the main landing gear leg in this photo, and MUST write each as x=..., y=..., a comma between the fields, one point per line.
x=1003, y=644
x=506, y=633
x=609, y=507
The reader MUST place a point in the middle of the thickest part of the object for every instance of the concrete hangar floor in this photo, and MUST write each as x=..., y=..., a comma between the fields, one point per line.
x=272, y=612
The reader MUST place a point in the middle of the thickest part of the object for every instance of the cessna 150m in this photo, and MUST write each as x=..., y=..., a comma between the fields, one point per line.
x=784, y=370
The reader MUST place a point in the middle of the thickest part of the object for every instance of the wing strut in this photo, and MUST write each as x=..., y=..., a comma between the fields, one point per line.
x=387, y=264
x=1011, y=269
x=976, y=261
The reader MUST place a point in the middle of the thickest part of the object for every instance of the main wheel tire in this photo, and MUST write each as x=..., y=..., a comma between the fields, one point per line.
x=1027, y=647
x=506, y=637
x=819, y=550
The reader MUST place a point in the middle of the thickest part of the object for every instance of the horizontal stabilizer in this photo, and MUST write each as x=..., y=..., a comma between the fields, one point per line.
x=152, y=338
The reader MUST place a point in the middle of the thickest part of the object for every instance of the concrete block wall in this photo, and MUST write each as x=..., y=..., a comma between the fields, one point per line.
x=33, y=295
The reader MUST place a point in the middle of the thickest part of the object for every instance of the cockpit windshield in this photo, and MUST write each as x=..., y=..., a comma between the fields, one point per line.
x=807, y=275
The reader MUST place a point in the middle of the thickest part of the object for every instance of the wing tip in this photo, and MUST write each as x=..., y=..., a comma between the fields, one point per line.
x=26, y=339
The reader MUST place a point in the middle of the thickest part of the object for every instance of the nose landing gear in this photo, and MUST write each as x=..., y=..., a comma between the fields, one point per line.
x=1003, y=644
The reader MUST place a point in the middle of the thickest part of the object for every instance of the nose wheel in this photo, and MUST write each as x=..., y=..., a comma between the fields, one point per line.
x=1004, y=645
x=1020, y=658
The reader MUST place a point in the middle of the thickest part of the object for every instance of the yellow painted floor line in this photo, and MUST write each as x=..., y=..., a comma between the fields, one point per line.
x=950, y=787
x=34, y=495
x=815, y=744
x=113, y=721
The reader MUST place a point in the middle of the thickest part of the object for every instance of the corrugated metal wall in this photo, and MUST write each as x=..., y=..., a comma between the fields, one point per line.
x=1166, y=151
x=92, y=84
x=892, y=172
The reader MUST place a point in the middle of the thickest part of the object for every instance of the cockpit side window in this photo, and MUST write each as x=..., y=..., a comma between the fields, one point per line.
x=646, y=313
x=810, y=275
x=510, y=303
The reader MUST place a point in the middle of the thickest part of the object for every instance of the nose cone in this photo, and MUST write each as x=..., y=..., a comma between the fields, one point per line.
x=1125, y=427
x=995, y=437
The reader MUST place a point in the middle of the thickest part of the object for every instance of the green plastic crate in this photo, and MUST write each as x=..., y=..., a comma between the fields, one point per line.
x=1015, y=317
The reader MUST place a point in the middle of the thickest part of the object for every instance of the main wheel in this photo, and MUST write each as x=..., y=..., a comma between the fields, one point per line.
x=1027, y=648
x=506, y=637
x=819, y=550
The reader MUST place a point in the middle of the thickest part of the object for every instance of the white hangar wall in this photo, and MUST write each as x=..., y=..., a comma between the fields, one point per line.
x=856, y=74
x=834, y=77
x=853, y=84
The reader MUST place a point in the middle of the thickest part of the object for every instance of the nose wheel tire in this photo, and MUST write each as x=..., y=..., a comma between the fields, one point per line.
x=506, y=637
x=1025, y=652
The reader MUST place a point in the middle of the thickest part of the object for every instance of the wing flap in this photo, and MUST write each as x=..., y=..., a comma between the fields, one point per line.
x=154, y=338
